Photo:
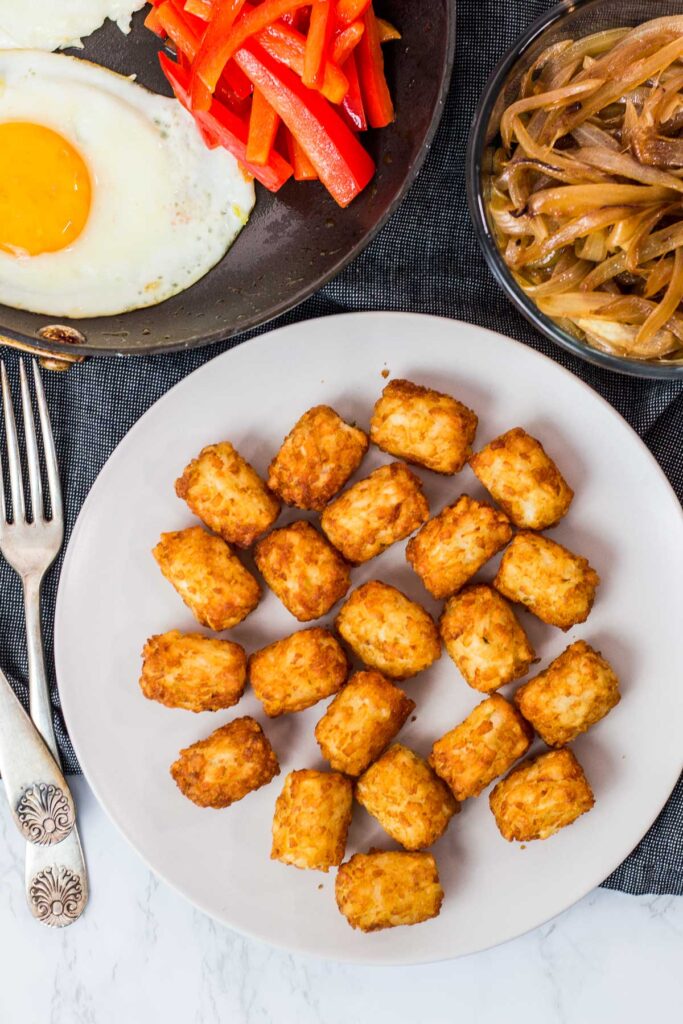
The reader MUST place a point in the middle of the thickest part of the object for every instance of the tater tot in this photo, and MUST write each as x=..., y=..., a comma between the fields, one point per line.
x=482, y=747
x=454, y=545
x=208, y=576
x=388, y=631
x=316, y=459
x=296, y=672
x=303, y=569
x=379, y=889
x=516, y=471
x=541, y=796
x=191, y=671
x=556, y=585
x=483, y=636
x=574, y=692
x=221, y=769
x=312, y=818
x=376, y=512
x=361, y=721
x=423, y=426
x=409, y=801
x=227, y=494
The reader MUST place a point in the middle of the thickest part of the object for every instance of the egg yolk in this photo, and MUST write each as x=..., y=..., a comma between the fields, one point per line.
x=44, y=190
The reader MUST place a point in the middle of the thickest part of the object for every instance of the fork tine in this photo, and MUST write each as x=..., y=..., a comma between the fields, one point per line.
x=51, y=465
x=16, y=486
x=34, y=481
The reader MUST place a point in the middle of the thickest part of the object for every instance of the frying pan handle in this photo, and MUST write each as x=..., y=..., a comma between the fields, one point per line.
x=47, y=360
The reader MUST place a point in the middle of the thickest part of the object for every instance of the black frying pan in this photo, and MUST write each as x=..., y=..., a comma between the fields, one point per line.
x=296, y=240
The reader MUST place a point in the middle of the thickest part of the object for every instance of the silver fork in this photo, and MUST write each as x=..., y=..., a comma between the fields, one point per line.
x=56, y=877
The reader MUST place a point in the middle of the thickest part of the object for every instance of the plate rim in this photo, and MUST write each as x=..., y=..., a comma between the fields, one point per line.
x=373, y=959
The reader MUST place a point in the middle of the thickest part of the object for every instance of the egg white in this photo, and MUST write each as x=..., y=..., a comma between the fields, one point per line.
x=55, y=24
x=164, y=208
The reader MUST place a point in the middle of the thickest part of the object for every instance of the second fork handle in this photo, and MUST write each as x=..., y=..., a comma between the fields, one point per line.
x=56, y=880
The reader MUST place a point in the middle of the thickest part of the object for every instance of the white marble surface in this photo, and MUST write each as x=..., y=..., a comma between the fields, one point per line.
x=142, y=954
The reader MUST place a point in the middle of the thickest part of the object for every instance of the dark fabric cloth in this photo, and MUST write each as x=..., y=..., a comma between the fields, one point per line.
x=426, y=259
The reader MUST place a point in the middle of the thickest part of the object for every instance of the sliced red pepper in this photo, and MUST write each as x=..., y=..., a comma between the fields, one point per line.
x=198, y=25
x=386, y=31
x=351, y=10
x=178, y=30
x=302, y=19
x=376, y=95
x=346, y=42
x=303, y=168
x=318, y=42
x=288, y=46
x=227, y=128
x=236, y=80
x=153, y=24
x=229, y=98
x=226, y=33
x=200, y=8
x=211, y=140
x=263, y=126
x=340, y=161
x=234, y=87
x=208, y=65
x=353, y=101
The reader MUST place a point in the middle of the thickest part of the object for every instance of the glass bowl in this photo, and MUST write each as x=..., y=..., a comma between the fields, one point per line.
x=570, y=19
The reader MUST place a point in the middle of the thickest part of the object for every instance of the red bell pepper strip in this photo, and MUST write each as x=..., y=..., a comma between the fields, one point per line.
x=263, y=126
x=298, y=19
x=376, y=96
x=236, y=81
x=200, y=8
x=227, y=128
x=288, y=46
x=196, y=24
x=340, y=161
x=178, y=30
x=153, y=24
x=351, y=10
x=303, y=168
x=386, y=31
x=226, y=33
x=211, y=140
x=346, y=42
x=208, y=66
x=352, y=106
x=318, y=42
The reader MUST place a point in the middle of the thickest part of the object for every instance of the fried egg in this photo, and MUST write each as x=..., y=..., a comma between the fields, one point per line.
x=54, y=24
x=109, y=199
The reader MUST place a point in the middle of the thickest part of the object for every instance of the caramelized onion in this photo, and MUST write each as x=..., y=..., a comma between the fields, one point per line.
x=548, y=101
x=626, y=166
x=585, y=196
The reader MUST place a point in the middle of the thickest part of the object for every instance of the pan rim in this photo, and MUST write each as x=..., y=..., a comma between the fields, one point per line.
x=45, y=345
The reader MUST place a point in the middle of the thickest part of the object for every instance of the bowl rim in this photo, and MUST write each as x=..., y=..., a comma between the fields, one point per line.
x=41, y=345
x=492, y=255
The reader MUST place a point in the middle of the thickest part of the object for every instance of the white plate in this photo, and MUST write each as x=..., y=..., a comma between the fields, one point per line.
x=625, y=519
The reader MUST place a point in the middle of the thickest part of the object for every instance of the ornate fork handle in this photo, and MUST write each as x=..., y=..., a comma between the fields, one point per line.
x=39, y=797
x=56, y=879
